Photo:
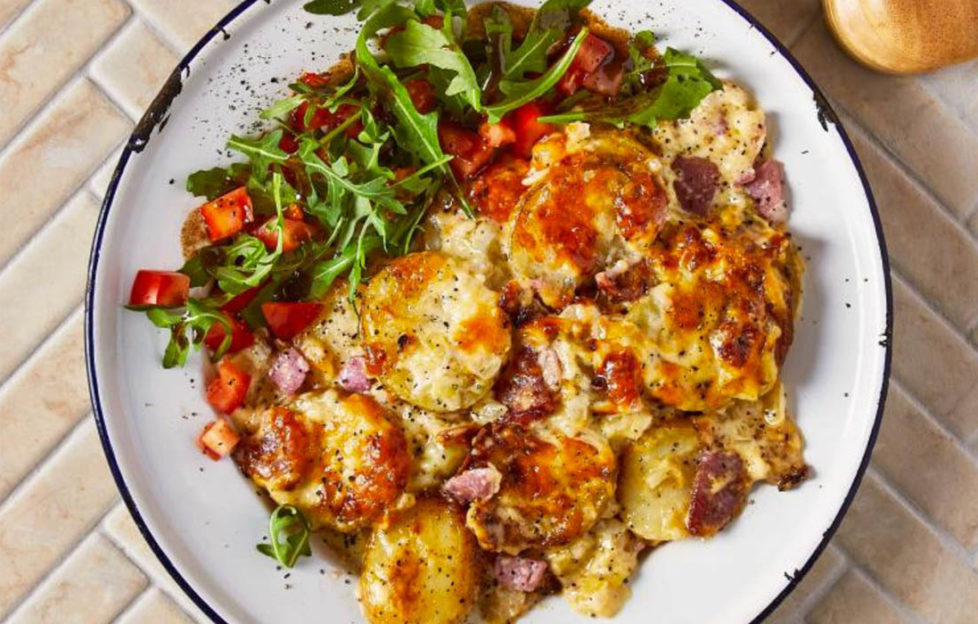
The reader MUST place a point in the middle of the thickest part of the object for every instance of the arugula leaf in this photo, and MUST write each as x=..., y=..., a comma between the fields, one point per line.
x=420, y=44
x=520, y=93
x=194, y=269
x=212, y=183
x=262, y=152
x=197, y=317
x=331, y=7
x=688, y=82
x=282, y=107
x=549, y=24
x=288, y=534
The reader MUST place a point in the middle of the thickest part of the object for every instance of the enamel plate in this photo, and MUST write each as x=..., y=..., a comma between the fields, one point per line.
x=203, y=518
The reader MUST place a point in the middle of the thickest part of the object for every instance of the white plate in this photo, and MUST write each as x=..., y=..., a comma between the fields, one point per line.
x=203, y=519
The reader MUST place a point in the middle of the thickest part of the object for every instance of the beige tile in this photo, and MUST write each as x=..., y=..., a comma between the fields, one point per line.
x=922, y=130
x=52, y=159
x=907, y=558
x=154, y=607
x=929, y=467
x=935, y=364
x=828, y=567
x=41, y=402
x=183, y=21
x=45, y=46
x=973, y=221
x=48, y=278
x=100, y=181
x=787, y=19
x=854, y=599
x=92, y=586
x=119, y=526
x=52, y=512
x=10, y=8
x=134, y=67
x=925, y=244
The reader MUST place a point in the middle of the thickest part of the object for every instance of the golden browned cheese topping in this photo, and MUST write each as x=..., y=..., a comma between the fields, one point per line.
x=552, y=490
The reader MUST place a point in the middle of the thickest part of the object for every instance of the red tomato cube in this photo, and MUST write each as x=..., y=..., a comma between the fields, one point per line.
x=227, y=215
x=226, y=392
x=162, y=288
x=470, y=150
x=241, y=338
x=527, y=127
x=287, y=319
x=217, y=439
x=294, y=234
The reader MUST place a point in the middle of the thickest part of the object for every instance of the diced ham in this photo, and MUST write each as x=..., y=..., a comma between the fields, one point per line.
x=696, y=183
x=624, y=282
x=353, y=375
x=519, y=573
x=550, y=368
x=719, y=491
x=474, y=484
x=288, y=371
x=523, y=387
x=767, y=189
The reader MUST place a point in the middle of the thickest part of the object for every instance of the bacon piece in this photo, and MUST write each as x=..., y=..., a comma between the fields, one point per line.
x=624, y=282
x=523, y=388
x=474, y=484
x=353, y=375
x=519, y=573
x=719, y=491
x=767, y=189
x=696, y=183
x=288, y=371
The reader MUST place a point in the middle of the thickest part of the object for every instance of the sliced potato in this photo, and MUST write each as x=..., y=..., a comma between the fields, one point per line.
x=656, y=481
x=333, y=338
x=594, y=569
x=554, y=489
x=434, y=332
x=588, y=208
x=339, y=460
x=421, y=568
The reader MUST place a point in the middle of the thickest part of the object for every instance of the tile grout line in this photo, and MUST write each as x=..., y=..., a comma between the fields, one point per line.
x=954, y=329
x=898, y=605
x=174, y=46
x=946, y=540
x=45, y=104
x=819, y=593
x=132, y=604
x=902, y=167
x=164, y=587
x=85, y=534
x=929, y=416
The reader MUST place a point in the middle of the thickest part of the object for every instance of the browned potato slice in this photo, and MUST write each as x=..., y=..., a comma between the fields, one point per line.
x=656, y=481
x=433, y=331
x=333, y=338
x=421, y=568
x=339, y=460
x=553, y=489
x=571, y=222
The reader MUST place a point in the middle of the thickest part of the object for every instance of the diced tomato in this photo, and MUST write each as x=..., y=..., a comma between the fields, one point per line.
x=217, y=439
x=162, y=288
x=288, y=143
x=227, y=215
x=470, y=150
x=295, y=233
x=226, y=392
x=594, y=51
x=287, y=320
x=241, y=338
x=320, y=117
x=422, y=95
x=498, y=134
x=241, y=301
x=528, y=130
x=314, y=80
x=341, y=115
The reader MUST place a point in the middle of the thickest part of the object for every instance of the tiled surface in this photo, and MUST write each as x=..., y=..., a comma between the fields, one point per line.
x=74, y=76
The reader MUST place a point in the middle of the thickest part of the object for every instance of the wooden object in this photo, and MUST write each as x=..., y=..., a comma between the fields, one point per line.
x=905, y=36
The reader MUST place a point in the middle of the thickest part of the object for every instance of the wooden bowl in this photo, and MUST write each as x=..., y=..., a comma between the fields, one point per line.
x=905, y=36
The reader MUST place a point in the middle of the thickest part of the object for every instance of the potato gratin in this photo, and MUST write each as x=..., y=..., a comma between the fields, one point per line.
x=500, y=303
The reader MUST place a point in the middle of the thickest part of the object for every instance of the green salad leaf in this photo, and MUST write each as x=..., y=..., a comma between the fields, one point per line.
x=288, y=534
x=549, y=25
x=188, y=326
